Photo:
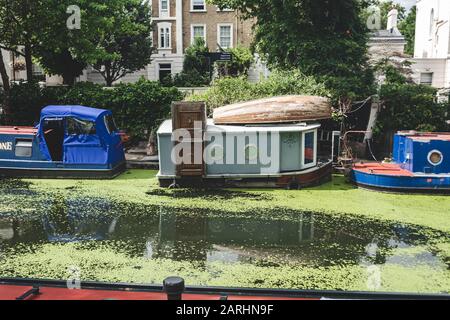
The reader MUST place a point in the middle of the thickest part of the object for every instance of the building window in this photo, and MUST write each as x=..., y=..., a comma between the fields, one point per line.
x=164, y=8
x=164, y=31
x=426, y=78
x=165, y=71
x=198, y=31
x=225, y=36
x=198, y=5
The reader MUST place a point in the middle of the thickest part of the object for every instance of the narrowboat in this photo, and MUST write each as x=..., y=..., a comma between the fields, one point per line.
x=257, y=152
x=69, y=141
x=173, y=288
x=420, y=163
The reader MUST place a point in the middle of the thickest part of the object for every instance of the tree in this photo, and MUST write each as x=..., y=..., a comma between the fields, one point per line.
x=18, y=26
x=126, y=46
x=240, y=64
x=114, y=37
x=196, y=67
x=321, y=38
x=408, y=29
x=6, y=85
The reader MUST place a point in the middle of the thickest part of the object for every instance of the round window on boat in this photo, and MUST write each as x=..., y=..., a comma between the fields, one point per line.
x=435, y=157
x=251, y=152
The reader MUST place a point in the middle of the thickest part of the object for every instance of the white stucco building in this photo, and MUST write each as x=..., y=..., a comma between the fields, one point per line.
x=432, y=47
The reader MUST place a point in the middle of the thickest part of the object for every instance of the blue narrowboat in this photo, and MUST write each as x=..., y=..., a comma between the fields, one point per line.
x=421, y=163
x=69, y=141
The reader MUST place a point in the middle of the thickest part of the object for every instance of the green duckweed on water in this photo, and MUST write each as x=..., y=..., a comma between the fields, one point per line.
x=128, y=229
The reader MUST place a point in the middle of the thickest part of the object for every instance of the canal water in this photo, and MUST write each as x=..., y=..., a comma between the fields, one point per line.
x=267, y=238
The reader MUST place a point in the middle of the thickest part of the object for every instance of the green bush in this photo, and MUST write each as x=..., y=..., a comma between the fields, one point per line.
x=239, y=66
x=196, y=71
x=138, y=108
x=232, y=90
x=408, y=107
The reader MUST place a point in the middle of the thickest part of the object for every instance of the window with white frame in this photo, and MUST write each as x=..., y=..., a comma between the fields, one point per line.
x=225, y=35
x=309, y=151
x=198, y=5
x=198, y=31
x=164, y=35
x=426, y=78
x=164, y=8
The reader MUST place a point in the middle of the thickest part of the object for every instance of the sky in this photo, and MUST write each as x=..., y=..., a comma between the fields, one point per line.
x=406, y=3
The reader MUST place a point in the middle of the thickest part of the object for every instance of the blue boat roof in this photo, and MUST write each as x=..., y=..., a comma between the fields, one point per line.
x=83, y=112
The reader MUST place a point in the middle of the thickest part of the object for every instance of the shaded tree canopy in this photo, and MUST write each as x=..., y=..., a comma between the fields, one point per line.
x=322, y=38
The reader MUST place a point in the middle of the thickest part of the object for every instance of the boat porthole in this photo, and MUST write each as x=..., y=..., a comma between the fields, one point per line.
x=435, y=157
x=251, y=152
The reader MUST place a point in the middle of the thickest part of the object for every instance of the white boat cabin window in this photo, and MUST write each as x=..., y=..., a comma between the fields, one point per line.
x=309, y=149
x=24, y=148
x=76, y=127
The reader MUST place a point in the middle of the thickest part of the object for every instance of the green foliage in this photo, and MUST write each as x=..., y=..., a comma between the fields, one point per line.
x=410, y=107
x=196, y=72
x=138, y=108
x=321, y=38
x=408, y=29
x=232, y=90
x=126, y=44
x=242, y=60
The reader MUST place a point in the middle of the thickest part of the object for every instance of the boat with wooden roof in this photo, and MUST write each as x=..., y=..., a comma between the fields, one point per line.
x=285, y=109
x=275, y=149
x=420, y=164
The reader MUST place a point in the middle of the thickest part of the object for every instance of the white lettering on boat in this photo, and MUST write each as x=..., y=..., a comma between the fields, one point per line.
x=6, y=146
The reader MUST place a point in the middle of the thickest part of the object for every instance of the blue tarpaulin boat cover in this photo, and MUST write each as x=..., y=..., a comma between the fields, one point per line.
x=98, y=147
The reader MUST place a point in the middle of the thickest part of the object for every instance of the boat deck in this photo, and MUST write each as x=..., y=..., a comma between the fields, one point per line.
x=18, y=130
x=388, y=169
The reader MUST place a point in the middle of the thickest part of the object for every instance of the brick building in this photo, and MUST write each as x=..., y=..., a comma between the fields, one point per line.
x=176, y=24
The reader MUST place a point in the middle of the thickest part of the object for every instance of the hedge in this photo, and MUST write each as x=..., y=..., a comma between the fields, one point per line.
x=138, y=108
x=232, y=90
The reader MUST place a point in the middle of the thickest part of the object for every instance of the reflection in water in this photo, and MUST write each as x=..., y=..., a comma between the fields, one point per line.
x=265, y=238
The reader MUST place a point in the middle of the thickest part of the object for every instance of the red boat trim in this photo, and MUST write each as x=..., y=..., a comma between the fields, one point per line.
x=387, y=169
x=18, y=130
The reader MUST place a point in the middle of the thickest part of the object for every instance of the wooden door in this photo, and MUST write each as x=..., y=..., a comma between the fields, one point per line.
x=184, y=116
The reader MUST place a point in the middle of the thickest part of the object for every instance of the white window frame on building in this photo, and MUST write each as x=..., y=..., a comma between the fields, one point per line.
x=219, y=35
x=197, y=7
x=164, y=66
x=193, y=26
x=164, y=30
x=426, y=78
x=164, y=13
